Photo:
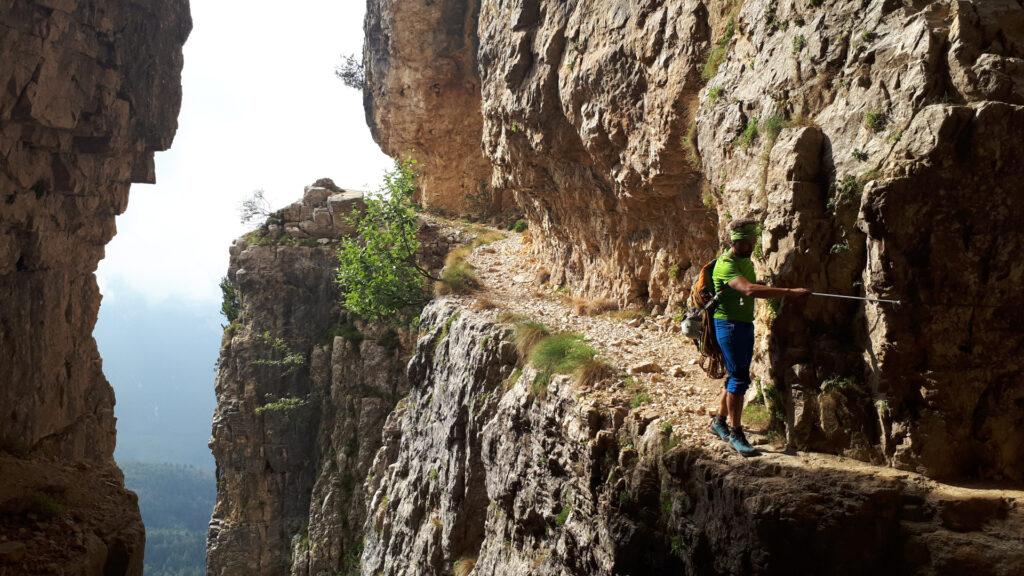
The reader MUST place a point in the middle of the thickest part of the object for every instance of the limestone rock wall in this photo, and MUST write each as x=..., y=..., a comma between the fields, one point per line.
x=422, y=88
x=859, y=134
x=479, y=471
x=303, y=389
x=89, y=90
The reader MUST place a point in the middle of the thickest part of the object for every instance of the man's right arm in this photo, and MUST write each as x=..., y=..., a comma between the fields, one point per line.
x=748, y=288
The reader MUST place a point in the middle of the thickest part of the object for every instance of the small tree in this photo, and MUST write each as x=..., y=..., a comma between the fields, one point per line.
x=351, y=72
x=254, y=207
x=229, y=305
x=377, y=270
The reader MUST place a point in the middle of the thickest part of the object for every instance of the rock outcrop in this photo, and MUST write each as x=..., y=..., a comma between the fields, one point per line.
x=421, y=89
x=303, y=389
x=479, y=469
x=89, y=90
x=874, y=141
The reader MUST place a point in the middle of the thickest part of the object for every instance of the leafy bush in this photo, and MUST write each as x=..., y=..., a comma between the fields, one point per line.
x=229, y=305
x=859, y=155
x=773, y=125
x=286, y=357
x=520, y=226
x=351, y=72
x=284, y=404
x=377, y=270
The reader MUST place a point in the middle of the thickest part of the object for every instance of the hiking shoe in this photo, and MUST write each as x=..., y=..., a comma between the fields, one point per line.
x=720, y=428
x=738, y=440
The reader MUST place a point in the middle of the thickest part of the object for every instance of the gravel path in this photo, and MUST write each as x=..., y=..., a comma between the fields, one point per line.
x=662, y=363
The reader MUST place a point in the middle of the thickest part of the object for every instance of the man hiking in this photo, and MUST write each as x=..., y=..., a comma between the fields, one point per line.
x=734, y=282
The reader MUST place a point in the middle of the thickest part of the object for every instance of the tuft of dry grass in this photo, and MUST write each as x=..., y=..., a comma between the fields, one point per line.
x=627, y=314
x=588, y=307
x=510, y=317
x=463, y=567
x=458, y=276
x=594, y=371
x=482, y=303
x=527, y=335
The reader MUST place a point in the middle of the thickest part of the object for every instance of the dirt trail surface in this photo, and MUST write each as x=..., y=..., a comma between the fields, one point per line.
x=678, y=389
x=660, y=362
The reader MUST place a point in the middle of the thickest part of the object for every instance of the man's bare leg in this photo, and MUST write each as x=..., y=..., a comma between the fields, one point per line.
x=735, y=404
x=723, y=408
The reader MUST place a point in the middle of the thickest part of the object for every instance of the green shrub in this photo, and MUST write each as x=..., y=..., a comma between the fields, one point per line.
x=286, y=357
x=282, y=405
x=860, y=155
x=799, y=43
x=377, y=270
x=715, y=93
x=229, y=306
x=875, y=120
x=520, y=226
x=844, y=192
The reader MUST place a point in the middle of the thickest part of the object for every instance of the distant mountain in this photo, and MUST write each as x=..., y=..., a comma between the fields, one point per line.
x=160, y=360
x=176, y=502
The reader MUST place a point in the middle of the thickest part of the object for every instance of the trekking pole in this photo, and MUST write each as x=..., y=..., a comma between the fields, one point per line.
x=875, y=300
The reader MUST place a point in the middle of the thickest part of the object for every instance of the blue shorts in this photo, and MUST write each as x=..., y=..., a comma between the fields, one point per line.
x=736, y=339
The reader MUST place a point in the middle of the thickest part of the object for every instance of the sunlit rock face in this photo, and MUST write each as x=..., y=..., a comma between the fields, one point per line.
x=422, y=89
x=874, y=142
x=89, y=90
x=480, y=469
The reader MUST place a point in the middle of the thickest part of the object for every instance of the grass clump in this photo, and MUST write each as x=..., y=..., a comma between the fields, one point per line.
x=563, y=515
x=640, y=399
x=593, y=371
x=875, y=120
x=715, y=93
x=519, y=226
x=46, y=505
x=561, y=353
x=528, y=334
x=750, y=133
x=587, y=307
x=844, y=192
x=458, y=276
x=463, y=566
x=773, y=125
x=717, y=54
x=799, y=43
x=282, y=405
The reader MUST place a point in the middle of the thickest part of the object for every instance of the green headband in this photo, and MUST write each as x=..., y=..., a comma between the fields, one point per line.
x=748, y=232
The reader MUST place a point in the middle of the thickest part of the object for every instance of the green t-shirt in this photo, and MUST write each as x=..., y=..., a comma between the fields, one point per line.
x=732, y=305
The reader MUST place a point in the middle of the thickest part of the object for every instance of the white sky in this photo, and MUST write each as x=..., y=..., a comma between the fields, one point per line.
x=261, y=109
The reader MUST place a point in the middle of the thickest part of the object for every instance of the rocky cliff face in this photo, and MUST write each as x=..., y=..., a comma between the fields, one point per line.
x=303, y=389
x=479, y=472
x=860, y=135
x=90, y=90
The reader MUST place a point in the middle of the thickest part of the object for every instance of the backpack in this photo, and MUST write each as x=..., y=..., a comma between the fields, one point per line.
x=699, y=324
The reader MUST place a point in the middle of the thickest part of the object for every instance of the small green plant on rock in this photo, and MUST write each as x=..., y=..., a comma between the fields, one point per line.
x=860, y=155
x=715, y=93
x=799, y=43
x=717, y=54
x=230, y=305
x=875, y=120
x=286, y=357
x=282, y=405
x=749, y=134
x=520, y=226
x=563, y=515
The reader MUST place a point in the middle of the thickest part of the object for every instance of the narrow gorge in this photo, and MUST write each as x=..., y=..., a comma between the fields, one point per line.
x=877, y=145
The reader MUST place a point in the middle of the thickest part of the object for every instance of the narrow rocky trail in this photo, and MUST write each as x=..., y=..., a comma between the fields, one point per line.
x=678, y=389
